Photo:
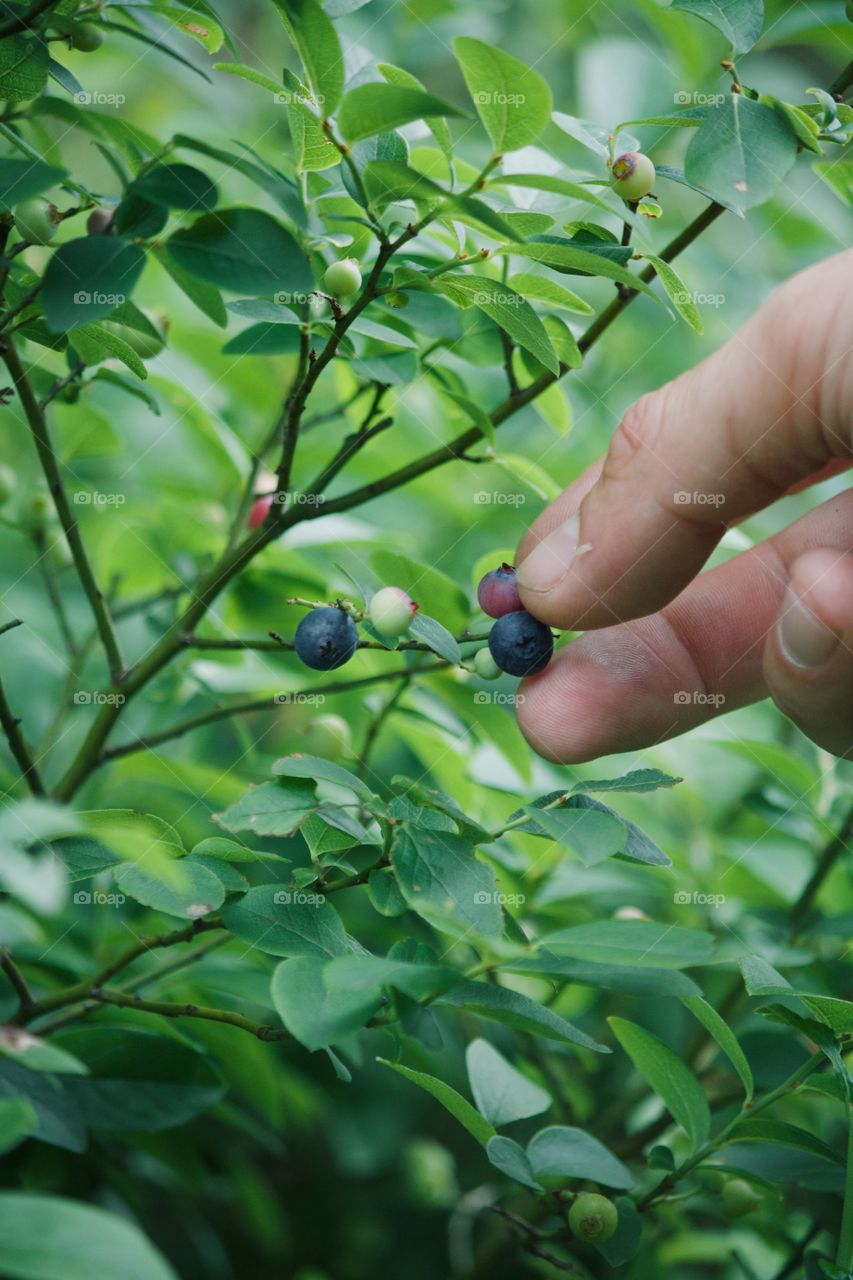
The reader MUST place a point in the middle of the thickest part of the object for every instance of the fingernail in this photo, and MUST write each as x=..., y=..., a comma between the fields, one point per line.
x=548, y=563
x=803, y=638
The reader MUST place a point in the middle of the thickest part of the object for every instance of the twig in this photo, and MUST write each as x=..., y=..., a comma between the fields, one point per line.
x=18, y=981
x=842, y=83
x=376, y=725
x=11, y=725
x=832, y=851
x=25, y=20
x=47, y=457
x=170, y=1009
x=53, y=594
x=278, y=643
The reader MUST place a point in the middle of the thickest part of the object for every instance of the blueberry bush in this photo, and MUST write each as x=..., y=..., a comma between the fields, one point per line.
x=305, y=311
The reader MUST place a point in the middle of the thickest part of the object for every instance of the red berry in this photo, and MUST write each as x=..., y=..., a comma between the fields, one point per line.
x=497, y=593
x=260, y=510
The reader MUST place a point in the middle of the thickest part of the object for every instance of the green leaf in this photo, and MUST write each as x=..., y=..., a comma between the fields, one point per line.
x=203, y=295
x=724, y=1036
x=519, y=1011
x=475, y=412
x=635, y=942
x=285, y=922
x=591, y=834
x=679, y=296
x=197, y=24
x=22, y=179
x=507, y=308
x=836, y=1013
x=542, y=289
x=384, y=893
x=512, y=1160
x=138, y=1081
x=761, y=979
x=59, y=1121
x=567, y=257
x=434, y=634
x=838, y=176
x=18, y=1120
x=93, y=343
x=50, y=1238
x=742, y=152
x=437, y=126
x=377, y=108
x=452, y=1101
x=513, y=101
x=263, y=340
x=636, y=847
x=636, y=780
x=317, y=44
x=779, y=1133
x=24, y=61
x=176, y=186
x=250, y=74
x=196, y=893
x=669, y=1076
x=314, y=1015
x=501, y=1093
x=242, y=250
x=272, y=809
x=358, y=971
x=561, y=1151
x=308, y=767
x=740, y=21
x=88, y=278
x=628, y=980
x=441, y=878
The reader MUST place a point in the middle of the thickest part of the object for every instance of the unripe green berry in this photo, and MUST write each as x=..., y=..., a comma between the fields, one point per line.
x=485, y=666
x=7, y=484
x=391, y=611
x=593, y=1218
x=633, y=175
x=87, y=38
x=739, y=1198
x=35, y=221
x=329, y=737
x=343, y=278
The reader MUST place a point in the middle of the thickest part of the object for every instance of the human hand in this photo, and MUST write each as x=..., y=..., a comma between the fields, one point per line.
x=618, y=553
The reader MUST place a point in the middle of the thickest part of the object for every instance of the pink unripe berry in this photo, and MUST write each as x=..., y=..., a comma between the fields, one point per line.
x=260, y=510
x=391, y=611
x=497, y=593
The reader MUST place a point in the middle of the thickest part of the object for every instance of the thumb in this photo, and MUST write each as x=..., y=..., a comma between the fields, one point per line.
x=808, y=661
x=768, y=409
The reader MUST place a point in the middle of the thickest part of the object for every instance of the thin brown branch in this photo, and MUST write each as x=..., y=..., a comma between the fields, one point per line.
x=11, y=726
x=18, y=981
x=171, y=1009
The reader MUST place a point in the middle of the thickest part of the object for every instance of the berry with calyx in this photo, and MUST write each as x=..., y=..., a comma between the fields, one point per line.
x=593, y=1218
x=87, y=38
x=329, y=737
x=343, y=278
x=326, y=638
x=261, y=508
x=485, y=666
x=100, y=222
x=739, y=1198
x=633, y=175
x=520, y=644
x=35, y=221
x=391, y=611
x=497, y=593
x=7, y=484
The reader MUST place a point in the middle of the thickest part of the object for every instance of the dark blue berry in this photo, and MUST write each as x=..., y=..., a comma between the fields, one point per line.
x=497, y=593
x=520, y=644
x=326, y=638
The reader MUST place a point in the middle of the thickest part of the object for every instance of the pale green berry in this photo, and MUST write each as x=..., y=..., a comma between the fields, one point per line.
x=35, y=221
x=593, y=1218
x=633, y=175
x=343, y=278
x=391, y=611
x=328, y=736
x=485, y=666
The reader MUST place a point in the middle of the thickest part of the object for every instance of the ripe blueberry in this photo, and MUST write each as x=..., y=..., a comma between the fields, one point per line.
x=593, y=1217
x=326, y=638
x=259, y=512
x=633, y=175
x=520, y=644
x=485, y=666
x=497, y=593
x=343, y=278
x=100, y=222
x=391, y=611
